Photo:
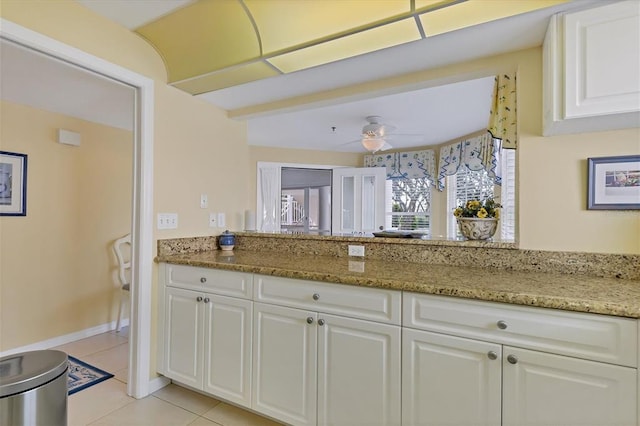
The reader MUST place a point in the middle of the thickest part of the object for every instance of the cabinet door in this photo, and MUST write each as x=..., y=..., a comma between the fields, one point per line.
x=183, y=336
x=284, y=363
x=449, y=380
x=358, y=372
x=227, y=348
x=602, y=60
x=546, y=389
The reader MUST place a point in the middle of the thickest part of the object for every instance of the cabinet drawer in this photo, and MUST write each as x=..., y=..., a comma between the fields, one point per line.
x=351, y=301
x=590, y=336
x=226, y=283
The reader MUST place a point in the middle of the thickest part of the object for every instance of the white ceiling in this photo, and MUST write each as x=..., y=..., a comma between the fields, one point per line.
x=434, y=114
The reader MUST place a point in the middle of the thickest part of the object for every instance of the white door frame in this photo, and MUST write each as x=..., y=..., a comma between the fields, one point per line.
x=142, y=212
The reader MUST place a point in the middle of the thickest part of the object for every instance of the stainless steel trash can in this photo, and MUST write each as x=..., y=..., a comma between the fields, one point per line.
x=33, y=389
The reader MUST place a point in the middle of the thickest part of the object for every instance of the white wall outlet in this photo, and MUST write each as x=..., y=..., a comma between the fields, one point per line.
x=356, y=266
x=167, y=220
x=356, y=251
x=204, y=201
x=213, y=220
x=221, y=220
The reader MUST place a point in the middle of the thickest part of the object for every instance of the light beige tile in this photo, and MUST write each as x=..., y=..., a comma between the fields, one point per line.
x=122, y=375
x=229, y=415
x=148, y=411
x=201, y=421
x=186, y=398
x=91, y=345
x=95, y=402
x=112, y=359
x=124, y=332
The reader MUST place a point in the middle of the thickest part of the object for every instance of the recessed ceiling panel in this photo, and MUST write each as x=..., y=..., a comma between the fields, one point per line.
x=474, y=12
x=284, y=24
x=363, y=42
x=203, y=37
x=228, y=77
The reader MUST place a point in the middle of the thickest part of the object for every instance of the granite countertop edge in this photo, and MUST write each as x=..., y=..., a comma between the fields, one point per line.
x=608, y=296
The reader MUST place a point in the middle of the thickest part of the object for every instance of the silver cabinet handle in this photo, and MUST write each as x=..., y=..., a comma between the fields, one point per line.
x=316, y=296
x=207, y=300
x=492, y=355
x=320, y=322
x=203, y=280
x=512, y=359
x=199, y=299
x=309, y=320
x=502, y=325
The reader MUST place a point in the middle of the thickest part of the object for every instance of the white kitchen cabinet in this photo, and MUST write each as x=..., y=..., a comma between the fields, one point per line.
x=358, y=372
x=547, y=389
x=314, y=367
x=183, y=329
x=284, y=363
x=449, y=380
x=227, y=348
x=207, y=337
x=591, y=76
x=460, y=363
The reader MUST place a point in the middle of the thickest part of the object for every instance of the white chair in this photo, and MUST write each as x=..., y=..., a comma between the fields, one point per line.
x=121, y=250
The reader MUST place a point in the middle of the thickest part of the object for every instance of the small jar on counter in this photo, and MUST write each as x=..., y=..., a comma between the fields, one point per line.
x=227, y=241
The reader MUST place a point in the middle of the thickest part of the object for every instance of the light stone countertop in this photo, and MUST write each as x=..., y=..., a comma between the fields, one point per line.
x=580, y=293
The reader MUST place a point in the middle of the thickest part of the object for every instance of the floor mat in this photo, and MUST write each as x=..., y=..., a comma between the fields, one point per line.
x=83, y=375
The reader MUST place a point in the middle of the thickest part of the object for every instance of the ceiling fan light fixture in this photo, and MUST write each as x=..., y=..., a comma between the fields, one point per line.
x=373, y=144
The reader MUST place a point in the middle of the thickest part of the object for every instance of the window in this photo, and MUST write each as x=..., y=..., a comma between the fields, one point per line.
x=468, y=185
x=408, y=204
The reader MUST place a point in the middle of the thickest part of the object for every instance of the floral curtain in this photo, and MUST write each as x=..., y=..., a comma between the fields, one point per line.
x=405, y=165
x=502, y=121
x=477, y=153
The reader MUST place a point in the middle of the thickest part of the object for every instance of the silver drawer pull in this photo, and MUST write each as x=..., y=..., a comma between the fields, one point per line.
x=492, y=355
x=316, y=296
x=512, y=359
x=309, y=320
x=203, y=280
x=207, y=300
x=320, y=322
x=502, y=325
x=199, y=299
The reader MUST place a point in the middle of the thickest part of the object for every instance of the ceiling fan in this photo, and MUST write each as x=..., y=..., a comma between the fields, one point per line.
x=374, y=134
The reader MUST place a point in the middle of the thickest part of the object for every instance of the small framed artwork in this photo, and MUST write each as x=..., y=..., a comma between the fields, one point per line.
x=613, y=183
x=13, y=184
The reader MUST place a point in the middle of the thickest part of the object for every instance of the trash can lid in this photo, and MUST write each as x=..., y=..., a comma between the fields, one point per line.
x=28, y=370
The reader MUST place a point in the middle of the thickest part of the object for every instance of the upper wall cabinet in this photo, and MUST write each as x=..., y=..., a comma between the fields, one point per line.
x=591, y=70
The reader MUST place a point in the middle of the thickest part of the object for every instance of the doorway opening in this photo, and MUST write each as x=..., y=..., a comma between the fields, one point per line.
x=305, y=200
x=142, y=188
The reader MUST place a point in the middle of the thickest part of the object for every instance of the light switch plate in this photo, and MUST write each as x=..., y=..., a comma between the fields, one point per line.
x=221, y=220
x=204, y=201
x=167, y=220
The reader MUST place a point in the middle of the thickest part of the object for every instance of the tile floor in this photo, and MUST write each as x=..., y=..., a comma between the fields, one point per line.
x=107, y=403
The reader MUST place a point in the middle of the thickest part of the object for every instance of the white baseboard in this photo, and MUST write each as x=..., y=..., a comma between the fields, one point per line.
x=67, y=338
x=158, y=383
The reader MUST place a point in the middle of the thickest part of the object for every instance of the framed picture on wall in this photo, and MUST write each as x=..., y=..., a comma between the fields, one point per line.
x=13, y=184
x=613, y=183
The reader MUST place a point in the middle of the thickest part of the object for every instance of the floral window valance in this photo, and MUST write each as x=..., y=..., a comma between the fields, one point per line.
x=477, y=153
x=405, y=165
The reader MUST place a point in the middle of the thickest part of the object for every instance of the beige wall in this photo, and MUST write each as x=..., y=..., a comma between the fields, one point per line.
x=551, y=172
x=197, y=149
x=56, y=267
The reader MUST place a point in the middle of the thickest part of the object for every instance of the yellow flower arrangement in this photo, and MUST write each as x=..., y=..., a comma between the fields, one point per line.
x=474, y=208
